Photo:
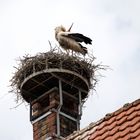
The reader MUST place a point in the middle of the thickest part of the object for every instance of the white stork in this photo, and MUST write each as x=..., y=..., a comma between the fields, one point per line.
x=71, y=41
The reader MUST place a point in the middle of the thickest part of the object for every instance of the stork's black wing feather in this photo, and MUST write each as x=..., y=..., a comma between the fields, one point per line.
x=80, y=38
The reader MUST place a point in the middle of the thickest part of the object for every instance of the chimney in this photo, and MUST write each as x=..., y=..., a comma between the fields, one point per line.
x=55, y=85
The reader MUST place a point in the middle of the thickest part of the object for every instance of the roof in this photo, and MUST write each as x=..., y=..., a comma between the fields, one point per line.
x=123, y=124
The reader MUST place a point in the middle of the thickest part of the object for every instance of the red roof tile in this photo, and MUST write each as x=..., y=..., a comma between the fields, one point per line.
x=123, y=124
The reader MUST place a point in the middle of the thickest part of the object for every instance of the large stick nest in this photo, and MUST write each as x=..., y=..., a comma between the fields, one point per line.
x=54, y=59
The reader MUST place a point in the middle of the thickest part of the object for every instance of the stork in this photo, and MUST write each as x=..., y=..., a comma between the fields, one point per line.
x=71, y=41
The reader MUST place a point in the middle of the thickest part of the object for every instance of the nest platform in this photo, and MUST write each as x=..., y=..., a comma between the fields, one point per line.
x=38, y=74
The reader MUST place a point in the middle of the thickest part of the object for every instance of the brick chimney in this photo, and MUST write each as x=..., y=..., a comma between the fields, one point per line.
x=55, y=86
x=55, y=103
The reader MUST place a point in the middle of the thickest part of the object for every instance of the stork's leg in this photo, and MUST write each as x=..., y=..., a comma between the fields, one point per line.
x=72, y=52
x=84, y=57
x=67, y=51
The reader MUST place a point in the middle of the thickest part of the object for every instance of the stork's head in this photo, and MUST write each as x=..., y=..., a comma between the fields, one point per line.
x=60, y=29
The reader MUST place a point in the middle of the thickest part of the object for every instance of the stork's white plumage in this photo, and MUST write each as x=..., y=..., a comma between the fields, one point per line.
x=72, y=41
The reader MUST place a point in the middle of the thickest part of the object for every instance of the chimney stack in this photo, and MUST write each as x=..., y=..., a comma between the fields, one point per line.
x=55, y=85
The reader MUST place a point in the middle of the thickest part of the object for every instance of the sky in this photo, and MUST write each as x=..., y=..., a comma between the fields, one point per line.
x=113, y=25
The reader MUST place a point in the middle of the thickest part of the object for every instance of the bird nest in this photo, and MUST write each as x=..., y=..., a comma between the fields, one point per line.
x=53, y=59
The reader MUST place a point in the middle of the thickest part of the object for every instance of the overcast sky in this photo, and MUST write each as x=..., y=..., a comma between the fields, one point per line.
x=114, y=26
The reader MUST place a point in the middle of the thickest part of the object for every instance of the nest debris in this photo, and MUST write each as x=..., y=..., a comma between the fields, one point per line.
x=53, y=59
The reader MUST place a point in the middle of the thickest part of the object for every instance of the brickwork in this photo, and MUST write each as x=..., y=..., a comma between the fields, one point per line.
x=45, y=127
x=67, y=126
x=46, y=119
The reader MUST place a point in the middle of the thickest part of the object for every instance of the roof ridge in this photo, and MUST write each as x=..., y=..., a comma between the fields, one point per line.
x=126, y=106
